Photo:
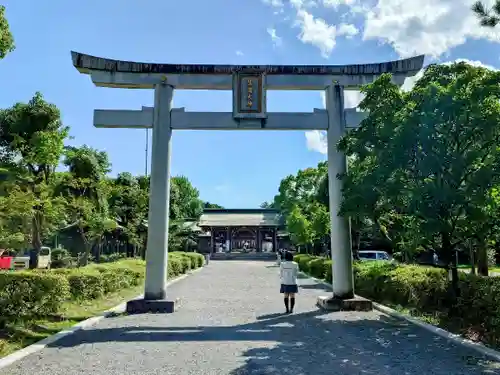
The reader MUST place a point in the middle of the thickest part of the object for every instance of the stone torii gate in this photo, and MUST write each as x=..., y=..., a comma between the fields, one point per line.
x=249, y=85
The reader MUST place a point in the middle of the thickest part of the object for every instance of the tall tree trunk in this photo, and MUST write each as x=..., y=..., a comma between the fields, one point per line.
x=36, y=237
x=357, y=243
x=482, y=260
x=451, y=260
x=98, y=250
x=36, y=240
x=84, y=258
x=472, y=256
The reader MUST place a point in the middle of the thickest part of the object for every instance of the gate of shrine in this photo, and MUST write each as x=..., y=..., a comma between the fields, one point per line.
x=249, y=85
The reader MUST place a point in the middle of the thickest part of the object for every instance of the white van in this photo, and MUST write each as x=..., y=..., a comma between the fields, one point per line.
x=366, y=255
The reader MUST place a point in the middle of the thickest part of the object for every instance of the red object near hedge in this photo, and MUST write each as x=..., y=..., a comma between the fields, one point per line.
x=6, y=263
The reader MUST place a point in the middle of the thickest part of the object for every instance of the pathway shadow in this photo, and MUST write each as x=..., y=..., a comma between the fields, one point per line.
x=270, y=316
x=315, y=343
x=316, y=286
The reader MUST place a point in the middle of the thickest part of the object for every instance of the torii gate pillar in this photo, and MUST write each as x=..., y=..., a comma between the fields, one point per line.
x=159, y=202
x=340, y=233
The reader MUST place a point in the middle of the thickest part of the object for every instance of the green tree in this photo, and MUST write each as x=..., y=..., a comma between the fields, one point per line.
x=300, y=228
x=6, y=38
x=32, y=140
x=300, y=197
x=211, y=205
x=424, y=166
x=320, y=223
x=185, y=200
x=129, y=203
x=86, y=191
x=15, y=218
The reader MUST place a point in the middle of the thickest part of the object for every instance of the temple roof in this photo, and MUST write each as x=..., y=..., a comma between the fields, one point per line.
x=240, y=217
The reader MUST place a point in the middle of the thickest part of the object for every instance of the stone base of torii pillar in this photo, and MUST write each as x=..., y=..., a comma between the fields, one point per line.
x=144, y=306
x=356, y=303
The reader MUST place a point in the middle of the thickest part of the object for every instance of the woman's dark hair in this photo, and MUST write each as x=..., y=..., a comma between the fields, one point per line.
x=288, y=256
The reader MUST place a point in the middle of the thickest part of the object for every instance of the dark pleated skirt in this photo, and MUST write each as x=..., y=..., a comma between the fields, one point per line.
x=288, y=288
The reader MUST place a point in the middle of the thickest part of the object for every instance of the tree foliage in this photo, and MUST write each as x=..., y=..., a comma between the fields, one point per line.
x=304, y=209
x=427, y=160
x=82, y=202
x=211, y=205
x=6, y=38
x=32, y=143
x=423, y=169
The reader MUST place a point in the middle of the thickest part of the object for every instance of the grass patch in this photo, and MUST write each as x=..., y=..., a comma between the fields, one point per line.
x=19, y=334
x=495, y=269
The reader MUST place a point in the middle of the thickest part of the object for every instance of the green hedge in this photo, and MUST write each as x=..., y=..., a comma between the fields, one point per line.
x=426, y=291
x=42, y=292
x=180, y=262
x=318, y=267
x=26, y=293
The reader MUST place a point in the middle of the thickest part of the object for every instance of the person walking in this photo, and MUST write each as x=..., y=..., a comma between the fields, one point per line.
x=280, y=254
x=288, y=274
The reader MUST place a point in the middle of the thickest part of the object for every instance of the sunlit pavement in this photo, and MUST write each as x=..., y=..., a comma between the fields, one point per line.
x=231, y=322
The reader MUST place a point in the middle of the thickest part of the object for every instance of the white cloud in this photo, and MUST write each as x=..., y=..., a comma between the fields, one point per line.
x=239, y=53
x=302, y=4
x=347, y=29
x=429, y=27
x=318, y=32
x=277, y=41
x=278, y=5
x=316, y=141
x=335, y=3
x=274, y=3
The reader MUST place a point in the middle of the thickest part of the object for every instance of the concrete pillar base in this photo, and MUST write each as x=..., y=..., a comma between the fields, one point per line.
x=144, y=306
x=356, y=303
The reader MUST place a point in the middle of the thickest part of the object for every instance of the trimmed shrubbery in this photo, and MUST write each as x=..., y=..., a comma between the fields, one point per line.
x=43, y=292
x=28, y=293
x=425, y=291
x=315, y=266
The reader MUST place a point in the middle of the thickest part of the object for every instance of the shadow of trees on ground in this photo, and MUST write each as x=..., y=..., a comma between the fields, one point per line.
x=312, y=343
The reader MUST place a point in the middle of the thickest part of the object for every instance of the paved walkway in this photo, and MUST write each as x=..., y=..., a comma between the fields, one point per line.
x=231, y=323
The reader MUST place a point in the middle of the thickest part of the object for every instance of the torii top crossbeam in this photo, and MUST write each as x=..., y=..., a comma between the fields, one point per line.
x=128, y=74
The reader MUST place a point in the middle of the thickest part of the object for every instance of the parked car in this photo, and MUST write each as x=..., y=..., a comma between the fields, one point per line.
x=367, y=255
x=27, y=259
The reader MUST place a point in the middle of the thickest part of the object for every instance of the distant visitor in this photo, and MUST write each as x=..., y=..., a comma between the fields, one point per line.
x=288, y=273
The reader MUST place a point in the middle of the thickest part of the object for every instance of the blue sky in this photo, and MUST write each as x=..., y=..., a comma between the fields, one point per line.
x=234, y=169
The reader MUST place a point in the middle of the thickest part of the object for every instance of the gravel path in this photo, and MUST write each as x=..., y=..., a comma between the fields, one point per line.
x=231, y=322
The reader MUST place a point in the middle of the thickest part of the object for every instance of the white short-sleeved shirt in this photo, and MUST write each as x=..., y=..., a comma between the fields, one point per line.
x=289, y=272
